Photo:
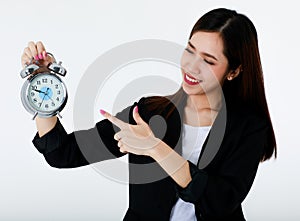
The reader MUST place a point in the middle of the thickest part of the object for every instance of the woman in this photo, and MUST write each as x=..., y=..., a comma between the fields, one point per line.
x=222, y=51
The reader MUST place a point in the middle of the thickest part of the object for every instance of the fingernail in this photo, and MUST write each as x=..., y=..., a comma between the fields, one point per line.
x=44, y=54
x=102, y=112
x=40, y=56
x=36, y=57
x=136, y=109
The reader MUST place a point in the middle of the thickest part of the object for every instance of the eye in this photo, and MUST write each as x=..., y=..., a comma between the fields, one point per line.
x=188, y=50
x=208, y=62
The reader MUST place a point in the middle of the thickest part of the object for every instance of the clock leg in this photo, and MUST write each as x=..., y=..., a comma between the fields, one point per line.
x=59, y=114
x=34, y=116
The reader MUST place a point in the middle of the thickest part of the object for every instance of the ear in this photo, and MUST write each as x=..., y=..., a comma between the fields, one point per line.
x=233, y=74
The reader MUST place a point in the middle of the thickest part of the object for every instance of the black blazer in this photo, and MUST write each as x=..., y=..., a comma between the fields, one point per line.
x=218, y=187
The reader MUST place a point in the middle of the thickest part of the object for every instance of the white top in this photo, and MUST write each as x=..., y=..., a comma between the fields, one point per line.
x=192, y=141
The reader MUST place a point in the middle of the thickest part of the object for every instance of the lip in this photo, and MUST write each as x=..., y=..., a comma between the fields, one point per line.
x=191, y=77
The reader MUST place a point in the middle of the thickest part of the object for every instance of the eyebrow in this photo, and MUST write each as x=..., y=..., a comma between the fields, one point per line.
x=206, y=54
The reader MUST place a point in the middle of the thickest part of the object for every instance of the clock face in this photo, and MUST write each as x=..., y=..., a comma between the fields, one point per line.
x=46, y=93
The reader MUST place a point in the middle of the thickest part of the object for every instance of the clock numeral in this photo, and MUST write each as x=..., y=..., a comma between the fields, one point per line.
x=57, y=98
x=32, y=94
x=56, y=86
x=34, y=87
x=51, y=81
x=38, y=82
x=34, y=100
x=58, y=92
x=44, y=80
x=39, y=104
x=46, y=106
x=53, y=104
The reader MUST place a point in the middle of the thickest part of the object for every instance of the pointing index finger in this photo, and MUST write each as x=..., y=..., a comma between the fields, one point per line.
x=119, y=123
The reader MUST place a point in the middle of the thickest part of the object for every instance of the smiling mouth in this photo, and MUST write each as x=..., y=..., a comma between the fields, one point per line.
x=191, y=80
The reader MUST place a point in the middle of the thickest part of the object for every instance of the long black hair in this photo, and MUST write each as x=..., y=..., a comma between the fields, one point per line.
x=241, y=49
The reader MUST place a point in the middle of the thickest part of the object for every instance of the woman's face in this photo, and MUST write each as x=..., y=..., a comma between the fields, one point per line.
x=203, y=64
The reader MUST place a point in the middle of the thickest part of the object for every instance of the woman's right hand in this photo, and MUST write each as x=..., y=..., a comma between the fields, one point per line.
x=36, y=51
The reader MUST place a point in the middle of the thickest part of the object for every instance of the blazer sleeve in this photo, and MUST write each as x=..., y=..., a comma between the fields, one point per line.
x=83, y=147
x=218, y=194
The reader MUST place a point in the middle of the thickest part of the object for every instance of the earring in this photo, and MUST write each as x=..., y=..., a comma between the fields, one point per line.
x=229, y=78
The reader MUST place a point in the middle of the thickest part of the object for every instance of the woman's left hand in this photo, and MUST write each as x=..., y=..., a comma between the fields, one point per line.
x=137, y=139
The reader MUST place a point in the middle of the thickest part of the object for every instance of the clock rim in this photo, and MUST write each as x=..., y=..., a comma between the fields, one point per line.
x=30, y=108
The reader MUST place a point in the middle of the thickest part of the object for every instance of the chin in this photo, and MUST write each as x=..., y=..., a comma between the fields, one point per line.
x=192, y=91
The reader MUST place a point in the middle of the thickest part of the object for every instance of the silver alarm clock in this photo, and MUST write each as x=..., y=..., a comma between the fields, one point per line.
x=44, y=94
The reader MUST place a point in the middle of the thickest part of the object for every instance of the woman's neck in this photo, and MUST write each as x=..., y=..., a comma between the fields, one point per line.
x=202, y=110
x=200, y=102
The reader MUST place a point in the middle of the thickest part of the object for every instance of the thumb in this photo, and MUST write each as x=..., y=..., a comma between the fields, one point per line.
x=136, y=116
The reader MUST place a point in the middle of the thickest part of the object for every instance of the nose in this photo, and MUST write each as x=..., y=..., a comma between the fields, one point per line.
x=194, y=66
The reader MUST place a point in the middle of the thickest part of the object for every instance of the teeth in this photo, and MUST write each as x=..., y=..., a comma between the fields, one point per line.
x=190, y=79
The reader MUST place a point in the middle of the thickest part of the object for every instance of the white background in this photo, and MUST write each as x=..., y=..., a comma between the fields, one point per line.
x=77, y=32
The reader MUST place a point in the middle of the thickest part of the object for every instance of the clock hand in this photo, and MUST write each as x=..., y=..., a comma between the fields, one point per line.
x=44, y=96
x=42, y=100
x=39, y=91
x=50, y=98
x=46, y=93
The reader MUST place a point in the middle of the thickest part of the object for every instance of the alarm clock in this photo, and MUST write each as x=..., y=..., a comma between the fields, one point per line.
x=44, y=94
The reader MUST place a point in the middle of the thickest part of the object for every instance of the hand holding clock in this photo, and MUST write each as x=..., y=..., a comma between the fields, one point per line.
x=43, y=94
x=37, y=52
x=33, y=53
